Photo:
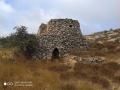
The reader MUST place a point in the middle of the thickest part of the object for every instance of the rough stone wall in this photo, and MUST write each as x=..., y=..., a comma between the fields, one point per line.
x=63, y=34
x=42, y=29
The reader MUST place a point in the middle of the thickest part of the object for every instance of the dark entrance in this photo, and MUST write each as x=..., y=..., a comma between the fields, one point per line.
x=55, y=54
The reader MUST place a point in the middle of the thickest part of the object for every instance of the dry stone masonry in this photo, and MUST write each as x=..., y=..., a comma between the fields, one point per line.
x=60, y=36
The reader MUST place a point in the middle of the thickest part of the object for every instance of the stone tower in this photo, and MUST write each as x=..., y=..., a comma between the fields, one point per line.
x=60, y=36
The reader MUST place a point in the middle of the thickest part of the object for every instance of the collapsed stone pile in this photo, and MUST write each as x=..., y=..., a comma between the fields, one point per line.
x=84, y=60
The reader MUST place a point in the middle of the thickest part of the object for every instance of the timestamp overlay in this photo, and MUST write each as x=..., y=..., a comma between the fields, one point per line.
x=19, y=83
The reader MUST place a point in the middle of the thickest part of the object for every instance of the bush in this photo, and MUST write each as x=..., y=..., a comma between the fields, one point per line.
x=26, y=43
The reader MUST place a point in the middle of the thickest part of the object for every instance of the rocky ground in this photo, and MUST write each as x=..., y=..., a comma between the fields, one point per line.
x=105, y=36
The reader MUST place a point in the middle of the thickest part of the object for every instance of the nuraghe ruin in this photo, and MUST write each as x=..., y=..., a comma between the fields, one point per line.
x=59, y=37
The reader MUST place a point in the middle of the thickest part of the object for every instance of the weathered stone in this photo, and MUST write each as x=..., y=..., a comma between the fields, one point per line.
x=91, y=60
x=104, y=49
x=112, y=40
x=99, y=42
x=61, y=36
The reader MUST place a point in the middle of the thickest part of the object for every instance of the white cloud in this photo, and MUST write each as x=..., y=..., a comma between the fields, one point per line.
x=6, y=11
x=33, y=18
x=103, y=13
x=93, y=15
x=30, y=18
x=5, y=7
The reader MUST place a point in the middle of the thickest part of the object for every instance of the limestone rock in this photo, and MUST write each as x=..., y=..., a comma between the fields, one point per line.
x=71, y=58
x=100, y=42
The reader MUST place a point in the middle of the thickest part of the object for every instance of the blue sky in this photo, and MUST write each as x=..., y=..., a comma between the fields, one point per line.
x=93, y=15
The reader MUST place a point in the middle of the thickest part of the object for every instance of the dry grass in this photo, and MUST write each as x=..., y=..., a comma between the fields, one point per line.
x=100, y=74
x=60, y=68
x=28, y=71
x=47, y=75
x=69, y=87
x=8, y=51
x=41, y=75
x=81, y=53
x=66, y=75
x=91, y=53
x=116, y=79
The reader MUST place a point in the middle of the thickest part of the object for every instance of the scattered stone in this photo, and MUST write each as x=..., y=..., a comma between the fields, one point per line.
x=98, y=36
x=112, y=40
x=99, y=42
x=104, y=49
x=91, y=60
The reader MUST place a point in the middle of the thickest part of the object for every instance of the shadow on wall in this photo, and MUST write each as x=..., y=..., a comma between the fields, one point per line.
x=55, y=54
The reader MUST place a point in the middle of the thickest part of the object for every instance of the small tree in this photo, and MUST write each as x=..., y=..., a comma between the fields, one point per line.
x=3, y=41
x=20, y=36
x=25, y=42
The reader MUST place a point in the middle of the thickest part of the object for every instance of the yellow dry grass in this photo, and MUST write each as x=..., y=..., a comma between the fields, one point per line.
x=8, y=51
x=47, y=75
x=41, y=76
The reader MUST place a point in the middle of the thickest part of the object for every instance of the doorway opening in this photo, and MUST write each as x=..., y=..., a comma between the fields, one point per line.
x=55, y=54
